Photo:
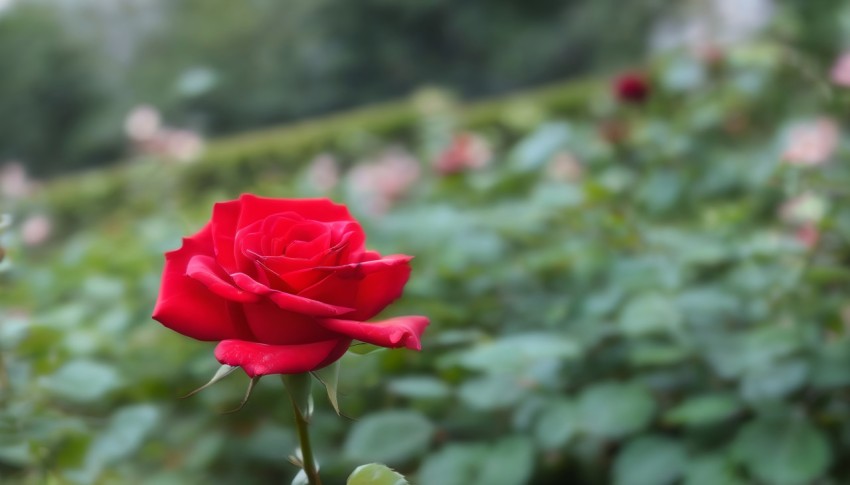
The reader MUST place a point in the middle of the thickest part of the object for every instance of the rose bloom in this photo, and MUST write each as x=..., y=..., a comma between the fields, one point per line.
x=812, y=143
x=631, y=87
x=807, y=235
x=36, y=229
x=840, y=73
x=323, y=173
x=382, y=183
x=14, y=181
x=284, y=285
x=466, y=151
x=564, y=167
x=142, y=123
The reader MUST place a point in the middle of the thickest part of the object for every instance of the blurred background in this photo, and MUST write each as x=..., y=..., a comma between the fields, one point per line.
x=629, y=219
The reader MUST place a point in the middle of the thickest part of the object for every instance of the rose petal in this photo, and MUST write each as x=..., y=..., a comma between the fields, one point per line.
x=368, y=287
x=224, y=219
x=288, y=301
x=258, y=359
x=204, y=269
x=269, y=324
x=296, y=273
x=257, y=208
x=393, y=332
x=260, y=239
x=187, y=306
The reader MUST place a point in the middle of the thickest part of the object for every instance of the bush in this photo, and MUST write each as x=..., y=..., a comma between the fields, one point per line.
x=618, y=296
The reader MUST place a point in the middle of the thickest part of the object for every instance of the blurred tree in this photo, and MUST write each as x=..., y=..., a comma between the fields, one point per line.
x=49, y=95
x=266, y=61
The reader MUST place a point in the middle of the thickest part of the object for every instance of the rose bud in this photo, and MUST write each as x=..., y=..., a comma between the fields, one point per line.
x=284, y=286
x=631, y=87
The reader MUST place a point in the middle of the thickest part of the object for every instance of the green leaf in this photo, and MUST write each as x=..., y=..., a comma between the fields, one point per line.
x=650, y=460
x=703, y=410
x=126, y=432
x=329, y=377
x=514, y=353
x=419, y=387
x=613, y=409
x=453, y=465
x=558, y=422
x=389, y=437
x=655, y=354
x=648, y=314
x=375, y=474
x=508, y=462
x=774, y=381
x=539, y=147
x=491, y=392
x=783, y=450
x=83, y=381
x=712, y=470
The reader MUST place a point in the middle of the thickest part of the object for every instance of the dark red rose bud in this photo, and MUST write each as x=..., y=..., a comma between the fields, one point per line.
x=632, y=87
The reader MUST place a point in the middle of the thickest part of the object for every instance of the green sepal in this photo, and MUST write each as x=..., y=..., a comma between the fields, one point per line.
x=362, y=348
x=251, y=385
x=221, y=373
x=329, y=377
x=298, y=386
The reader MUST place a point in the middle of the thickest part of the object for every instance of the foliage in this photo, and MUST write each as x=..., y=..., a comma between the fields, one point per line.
x=649, y=320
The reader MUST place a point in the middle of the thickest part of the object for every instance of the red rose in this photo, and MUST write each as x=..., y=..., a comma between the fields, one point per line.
x=285, y=285
x=631, y=87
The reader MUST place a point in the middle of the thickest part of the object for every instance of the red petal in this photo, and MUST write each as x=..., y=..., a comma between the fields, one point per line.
x=258, y=359
x=288, y=301
x=204, y=269
x=367, y=287
x=269, y=324
x=225, y=216
x=187, y=306
x=257, y=208
x=393, y=332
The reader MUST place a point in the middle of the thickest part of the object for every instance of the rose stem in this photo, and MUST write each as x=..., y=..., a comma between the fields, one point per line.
x=306, y=448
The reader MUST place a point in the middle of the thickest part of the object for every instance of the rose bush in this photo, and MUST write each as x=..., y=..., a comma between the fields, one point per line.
x=285, y=285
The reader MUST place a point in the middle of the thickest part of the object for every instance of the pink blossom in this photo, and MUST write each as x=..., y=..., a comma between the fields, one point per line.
x=172, y=144
x=386, y=180
x=466, y=151
x=807, y=235
x=142, y=123
x=36, y=229
x=564, y=167
x=840, y=73
x=812, y=143
x=323, y=173
x=14, y=182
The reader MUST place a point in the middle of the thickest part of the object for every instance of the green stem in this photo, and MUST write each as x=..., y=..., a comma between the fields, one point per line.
x=307, y=459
